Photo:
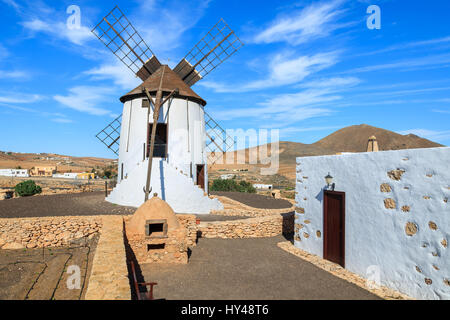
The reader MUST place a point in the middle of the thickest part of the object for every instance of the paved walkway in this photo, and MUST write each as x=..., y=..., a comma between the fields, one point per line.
x=247, y=269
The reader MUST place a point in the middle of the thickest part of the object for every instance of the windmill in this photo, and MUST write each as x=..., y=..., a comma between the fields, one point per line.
x=177, y=133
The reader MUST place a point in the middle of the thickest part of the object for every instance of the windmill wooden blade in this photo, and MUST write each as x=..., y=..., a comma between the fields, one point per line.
x=217, y=45
x=110, y=135
x=217, y=140
x=119, y=35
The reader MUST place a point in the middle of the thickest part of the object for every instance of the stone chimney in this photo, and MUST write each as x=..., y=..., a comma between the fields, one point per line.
x=372, y=146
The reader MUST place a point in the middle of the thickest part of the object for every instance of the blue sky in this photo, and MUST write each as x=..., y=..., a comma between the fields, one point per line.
x=307, y=68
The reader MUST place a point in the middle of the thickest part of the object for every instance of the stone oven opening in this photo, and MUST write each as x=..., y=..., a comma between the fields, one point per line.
x=156, y=228
x=157, y=246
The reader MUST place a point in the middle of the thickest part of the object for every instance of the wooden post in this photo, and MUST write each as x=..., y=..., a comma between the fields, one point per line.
x=106, y=188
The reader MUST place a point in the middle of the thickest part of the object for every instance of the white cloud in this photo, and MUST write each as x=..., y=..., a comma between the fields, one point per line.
x=332, y=82
x=282, y=70
x=169, y=21
x=62, y=120
x=117, y=72
x=314, y=21
x=20, y=98
x=18, y=75
x=433, y=60
x=60, y=30
x=428, y=134
x=87, y=98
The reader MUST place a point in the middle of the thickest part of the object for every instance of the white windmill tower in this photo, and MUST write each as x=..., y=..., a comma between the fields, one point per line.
x=161, y=137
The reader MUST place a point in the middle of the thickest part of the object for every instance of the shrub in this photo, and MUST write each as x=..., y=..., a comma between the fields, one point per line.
x=232, y=185
x=27, y=188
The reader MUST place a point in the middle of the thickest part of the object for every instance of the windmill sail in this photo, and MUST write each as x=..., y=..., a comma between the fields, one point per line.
x=110, y=135
x=215, y=47
x=119, y=35
x=218, y=142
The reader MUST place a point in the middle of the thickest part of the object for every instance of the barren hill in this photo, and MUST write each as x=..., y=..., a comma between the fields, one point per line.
x=11, y=160
x=354, y=139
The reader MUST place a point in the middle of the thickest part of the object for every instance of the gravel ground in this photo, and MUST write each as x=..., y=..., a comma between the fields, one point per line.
x=75, y=204
x=255, y=200
x=247, y=269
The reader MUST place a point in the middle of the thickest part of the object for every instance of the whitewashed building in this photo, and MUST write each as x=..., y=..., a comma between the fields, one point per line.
x=179, y=169
x=263, y=186
x=14, y=172
x=66, y=175
x=387, y=219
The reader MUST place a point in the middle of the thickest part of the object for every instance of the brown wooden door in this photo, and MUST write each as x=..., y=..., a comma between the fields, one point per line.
x=334, y=227
x=201, y=176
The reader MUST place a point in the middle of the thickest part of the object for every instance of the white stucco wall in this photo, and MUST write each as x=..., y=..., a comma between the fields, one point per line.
x=375, y=235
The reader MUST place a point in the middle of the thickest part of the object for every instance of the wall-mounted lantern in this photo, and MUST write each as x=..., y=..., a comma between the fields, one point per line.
x=329, y=181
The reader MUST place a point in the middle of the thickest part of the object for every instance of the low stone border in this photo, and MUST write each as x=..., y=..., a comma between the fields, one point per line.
x=19, y=233
x=109, y=276
x=336, y=270
x=266, y=226
x=236, y=208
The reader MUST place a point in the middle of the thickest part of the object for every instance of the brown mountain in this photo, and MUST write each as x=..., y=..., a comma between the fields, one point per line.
x=354, y=139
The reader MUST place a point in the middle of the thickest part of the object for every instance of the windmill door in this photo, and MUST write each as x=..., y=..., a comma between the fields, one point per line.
x=201, y=176
x=334, y=227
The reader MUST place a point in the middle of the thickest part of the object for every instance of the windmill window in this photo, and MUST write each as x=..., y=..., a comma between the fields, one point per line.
x=160, y=149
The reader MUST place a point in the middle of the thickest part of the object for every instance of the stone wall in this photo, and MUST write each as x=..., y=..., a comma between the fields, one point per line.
x=189, y=222
x=109, y=276
x=260, y=227
x=397, y=215
x=236, y=208
x=46, y=231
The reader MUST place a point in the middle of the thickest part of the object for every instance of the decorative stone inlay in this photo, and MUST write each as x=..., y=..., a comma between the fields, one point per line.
x=432, y=225
x=427, y=197
x=435, y=267
x=390, y=203
x=385, y=188
x=396, y=174
x=299, y=210
x=444, y=243
x=410, y=229
x=306, y=235
x=307, y=221
x=447, y=282
x=428, y=281
x=418, y=269
x=406, y=208
x=319, y=234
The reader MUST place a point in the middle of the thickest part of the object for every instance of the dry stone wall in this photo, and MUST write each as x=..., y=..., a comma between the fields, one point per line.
x=46, y=231
x=267, y=226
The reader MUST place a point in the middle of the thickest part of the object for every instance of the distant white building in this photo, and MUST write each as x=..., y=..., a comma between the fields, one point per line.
x=67, y=175
x=263, y=186
x=227, y=176
x=14, y=172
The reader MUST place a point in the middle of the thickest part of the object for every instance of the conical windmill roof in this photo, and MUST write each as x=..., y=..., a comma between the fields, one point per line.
x=170, y=82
